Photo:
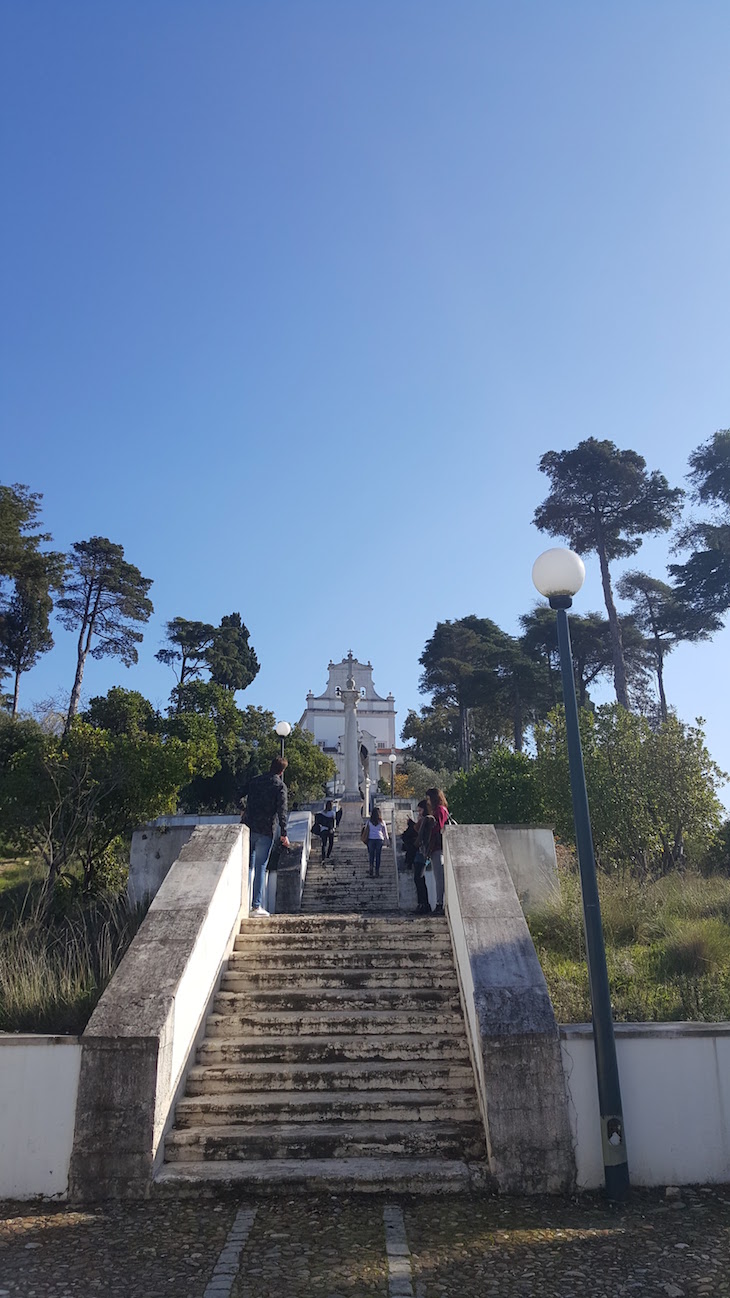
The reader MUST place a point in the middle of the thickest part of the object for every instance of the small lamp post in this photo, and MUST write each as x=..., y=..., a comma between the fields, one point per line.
x=559, y=575
x=393, y=761
x=283, y=730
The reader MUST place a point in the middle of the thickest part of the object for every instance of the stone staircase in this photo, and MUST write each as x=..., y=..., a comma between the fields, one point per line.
x=335, y=1055
x=343, y=884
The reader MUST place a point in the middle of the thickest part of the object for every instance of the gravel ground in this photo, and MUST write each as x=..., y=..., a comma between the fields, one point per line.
x=334, y=1247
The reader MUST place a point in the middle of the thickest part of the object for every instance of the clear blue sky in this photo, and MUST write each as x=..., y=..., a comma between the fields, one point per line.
x=296, y=294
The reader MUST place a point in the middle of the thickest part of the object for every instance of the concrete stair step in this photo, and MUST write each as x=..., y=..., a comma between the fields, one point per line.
x=332, y=1022
x=338, y=1049
x=317, y=980
x=327, y=1140
x=416, y=958
x=378, y=1075
x=340, y=999
x=324, y=1106
x=426, y=936
x=347, y=924
x=364, y=1175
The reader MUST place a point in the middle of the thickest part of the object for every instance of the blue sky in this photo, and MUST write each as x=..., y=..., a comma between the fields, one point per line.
x=296, y=295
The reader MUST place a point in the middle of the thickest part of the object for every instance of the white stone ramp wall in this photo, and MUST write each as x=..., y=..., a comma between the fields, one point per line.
x=138, y=1042
x=510, y=1021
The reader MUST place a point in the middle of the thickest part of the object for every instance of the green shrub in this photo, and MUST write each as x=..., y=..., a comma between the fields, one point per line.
x=504, y=792
x=694, y=947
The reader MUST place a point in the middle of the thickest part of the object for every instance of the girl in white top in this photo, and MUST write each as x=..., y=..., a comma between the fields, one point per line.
x=377, y=835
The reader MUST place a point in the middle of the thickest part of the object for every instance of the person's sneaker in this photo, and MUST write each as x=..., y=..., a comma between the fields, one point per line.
x=259, y=910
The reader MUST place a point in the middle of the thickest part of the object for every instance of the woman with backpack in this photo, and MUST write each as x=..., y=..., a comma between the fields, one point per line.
x=377, y=835
x=440, y=813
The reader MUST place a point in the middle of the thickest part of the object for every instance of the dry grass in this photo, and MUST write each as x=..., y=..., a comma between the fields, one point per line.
x=54, y=968
x=667, y=948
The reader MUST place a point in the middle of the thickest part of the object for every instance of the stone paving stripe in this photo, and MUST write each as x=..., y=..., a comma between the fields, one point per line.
x=226, y=1268
x=399, y=1254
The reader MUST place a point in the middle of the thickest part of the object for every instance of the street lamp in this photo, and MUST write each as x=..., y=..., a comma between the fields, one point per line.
x=283, y=730
x=559, y=575
x=393, y=760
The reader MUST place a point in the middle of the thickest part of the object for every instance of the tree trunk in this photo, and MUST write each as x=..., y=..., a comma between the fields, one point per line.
x=617, y=644
x=464, y=736
x=87, y=627
x=517, y=726
x=16, y=692
x=660, y=682
x=76, y=691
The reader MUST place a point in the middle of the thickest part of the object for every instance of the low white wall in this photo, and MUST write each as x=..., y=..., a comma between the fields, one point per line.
x=40, y=1082
x=675, y=1088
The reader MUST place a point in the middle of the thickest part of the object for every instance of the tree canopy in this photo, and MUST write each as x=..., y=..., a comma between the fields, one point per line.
x=103, y=597
x=603, y=500
x=703, y=580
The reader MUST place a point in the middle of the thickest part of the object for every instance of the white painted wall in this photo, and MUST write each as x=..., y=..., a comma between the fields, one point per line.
x=39, y=1082
x=675, y=1088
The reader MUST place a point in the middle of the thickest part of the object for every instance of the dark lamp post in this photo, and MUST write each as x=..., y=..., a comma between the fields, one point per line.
x=393, y=760
x=283, y=730
x=559, y=575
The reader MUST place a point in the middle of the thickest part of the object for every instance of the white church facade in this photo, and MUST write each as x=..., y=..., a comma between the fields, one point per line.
x=324, y=718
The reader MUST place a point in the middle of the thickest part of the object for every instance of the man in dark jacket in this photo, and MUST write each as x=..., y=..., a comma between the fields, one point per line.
x=265, y=804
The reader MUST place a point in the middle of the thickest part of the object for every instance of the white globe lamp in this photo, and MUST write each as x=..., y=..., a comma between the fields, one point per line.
x=559, y=574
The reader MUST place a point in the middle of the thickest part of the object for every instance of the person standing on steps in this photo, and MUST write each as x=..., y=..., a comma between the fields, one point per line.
x=425, y=827
x=266, y=803
x=440, y=813
x=409, y=842
x=327, y=829
x=377, y=835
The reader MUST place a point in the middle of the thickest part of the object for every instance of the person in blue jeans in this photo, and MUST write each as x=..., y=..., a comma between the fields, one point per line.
x=377, y=835
x=266, y=803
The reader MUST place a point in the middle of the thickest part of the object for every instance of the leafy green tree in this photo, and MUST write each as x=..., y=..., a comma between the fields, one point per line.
x=25, y=633
x=650, y=789
x=421, y=778
x=309, y=769
x=230, y=657
x=19, y=524
x=434, y=736
x=665, y=621
x=123, y=712
x=70, y=798
x=603, y=500
x=456, y=661
x=503, y=792
x=24, y=629
x=482, y=674
x=103, y=596
x=703, y=581
x=187, y=648
x=592, y=650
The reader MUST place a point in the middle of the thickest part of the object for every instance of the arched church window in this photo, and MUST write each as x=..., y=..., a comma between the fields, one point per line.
x=362, y=691
x=338, y=692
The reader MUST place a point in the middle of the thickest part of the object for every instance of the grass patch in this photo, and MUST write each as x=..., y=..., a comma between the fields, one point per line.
x=54, y=967
x=667, y=948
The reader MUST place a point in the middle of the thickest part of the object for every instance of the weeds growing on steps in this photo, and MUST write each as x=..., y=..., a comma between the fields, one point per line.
x=54, y=967
x=667, y=948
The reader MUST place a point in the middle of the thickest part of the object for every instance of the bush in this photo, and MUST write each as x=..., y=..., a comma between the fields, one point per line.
x=504, y=792
x=652, y=792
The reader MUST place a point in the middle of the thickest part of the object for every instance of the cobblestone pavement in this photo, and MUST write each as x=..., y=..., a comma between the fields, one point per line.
x=334, y=1247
